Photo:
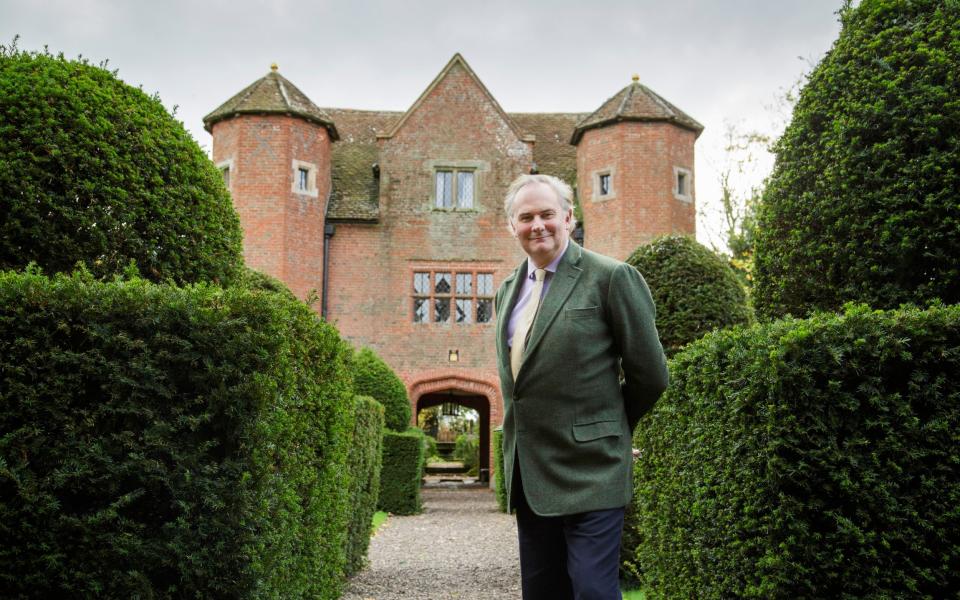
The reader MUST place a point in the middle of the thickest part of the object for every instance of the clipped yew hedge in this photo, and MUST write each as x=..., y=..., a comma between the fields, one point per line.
x=365, y=458
x=863, y=203
x=95, y=170
x=695, y=290
x=810, y=458
x=165, y=442
x=402, y=472
x=373, y=377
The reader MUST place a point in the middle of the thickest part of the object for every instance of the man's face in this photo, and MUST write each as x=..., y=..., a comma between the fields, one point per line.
x=539, y=223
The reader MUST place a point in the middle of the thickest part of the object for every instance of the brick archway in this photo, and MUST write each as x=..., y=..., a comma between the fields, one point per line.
x=479, y=395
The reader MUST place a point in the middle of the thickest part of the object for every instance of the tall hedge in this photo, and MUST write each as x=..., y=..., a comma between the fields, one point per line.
x=373, y=377
x=695, y=291
x=365, y=459
x=93, y=169
x=813, y=458
x=402, y=472
x=864, y=200
x=164, y=442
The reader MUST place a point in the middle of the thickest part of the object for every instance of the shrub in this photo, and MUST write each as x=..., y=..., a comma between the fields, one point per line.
x=695, y=291
x=465, y=450
x=255, y=280
x=499, y=484
x=165, y=442
x=402, y=472
x=862, y=204
x=430, y=447
x=94, y=170
x=806, y=459
x=373, y=377
x=365, y=458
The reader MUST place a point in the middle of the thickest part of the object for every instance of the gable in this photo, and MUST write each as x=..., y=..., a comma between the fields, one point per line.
x=456, y=97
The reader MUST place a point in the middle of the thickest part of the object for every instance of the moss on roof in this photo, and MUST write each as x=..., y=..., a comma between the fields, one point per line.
x=271, y=94
x=636, y=102
x=355, y=192
x=356, y=188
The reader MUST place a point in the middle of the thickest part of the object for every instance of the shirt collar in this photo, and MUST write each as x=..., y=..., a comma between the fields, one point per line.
x=552, y=267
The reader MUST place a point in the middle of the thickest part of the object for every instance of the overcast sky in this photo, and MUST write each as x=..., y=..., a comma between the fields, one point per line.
x=719, y=61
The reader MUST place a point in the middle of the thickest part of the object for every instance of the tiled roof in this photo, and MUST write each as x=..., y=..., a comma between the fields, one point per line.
x=271, y=94
x=552, y=151
x=636, y=102
x=355, y=193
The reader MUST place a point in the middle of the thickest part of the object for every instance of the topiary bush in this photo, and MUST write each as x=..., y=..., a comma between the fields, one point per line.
x=402, y=472
x=695, y=291
x=864, y=200
x=373, y=377
x=365, y=458
x=810, y=458
x=256, y=280
x=94, y=170
x=164, y=442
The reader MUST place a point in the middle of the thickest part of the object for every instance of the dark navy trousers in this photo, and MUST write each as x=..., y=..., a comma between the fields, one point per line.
x=572, y=557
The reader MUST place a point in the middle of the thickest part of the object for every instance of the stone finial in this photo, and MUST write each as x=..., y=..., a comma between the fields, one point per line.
x=636, y=78
x=274, y=67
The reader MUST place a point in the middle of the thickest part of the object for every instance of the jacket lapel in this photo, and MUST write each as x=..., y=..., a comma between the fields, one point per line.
x=564, y=280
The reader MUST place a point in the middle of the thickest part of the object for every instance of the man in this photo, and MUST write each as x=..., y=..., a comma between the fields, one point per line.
x=569, y=323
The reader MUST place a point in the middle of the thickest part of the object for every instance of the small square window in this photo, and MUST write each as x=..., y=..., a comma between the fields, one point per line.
x=303, y=179
x=681, y=183
x=225, y=173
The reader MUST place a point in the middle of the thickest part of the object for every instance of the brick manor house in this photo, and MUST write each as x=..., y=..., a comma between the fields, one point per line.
x=396, y=220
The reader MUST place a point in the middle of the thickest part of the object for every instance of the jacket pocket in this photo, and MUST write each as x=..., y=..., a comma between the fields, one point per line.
x=581, y=313
x=586, y=432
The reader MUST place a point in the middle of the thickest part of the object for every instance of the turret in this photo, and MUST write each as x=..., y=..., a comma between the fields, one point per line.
x=635, y=171
x=272, y=145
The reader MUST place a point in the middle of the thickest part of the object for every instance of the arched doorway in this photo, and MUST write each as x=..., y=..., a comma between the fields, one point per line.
x=479, y=403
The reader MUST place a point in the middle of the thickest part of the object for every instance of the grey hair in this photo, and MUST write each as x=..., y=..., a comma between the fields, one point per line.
x=563, y=191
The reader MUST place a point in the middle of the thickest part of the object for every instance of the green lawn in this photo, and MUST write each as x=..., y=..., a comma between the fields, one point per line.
x=634, y=595
x=378, y=519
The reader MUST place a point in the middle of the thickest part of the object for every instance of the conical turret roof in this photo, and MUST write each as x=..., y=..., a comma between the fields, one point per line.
x=636, y=102
x=271, y=94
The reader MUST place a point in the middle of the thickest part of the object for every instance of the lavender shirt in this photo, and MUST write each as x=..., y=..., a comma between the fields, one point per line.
x=527, y=290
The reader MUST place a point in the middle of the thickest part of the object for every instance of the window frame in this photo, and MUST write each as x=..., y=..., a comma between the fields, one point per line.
x=311, y=169
x=595, y=193
x=455, y=172
x=687, y=176
x=225, y=168
x=431, y=296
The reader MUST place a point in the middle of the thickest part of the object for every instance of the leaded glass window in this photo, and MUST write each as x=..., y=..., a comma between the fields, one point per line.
x=464, y=311
x=466, y=295
x=454, y=189
x=444, y=189
x=465, y=189
x=484, y=310
x=441, y=308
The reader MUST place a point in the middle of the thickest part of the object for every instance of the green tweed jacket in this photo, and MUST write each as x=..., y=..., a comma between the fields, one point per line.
x=568, y=417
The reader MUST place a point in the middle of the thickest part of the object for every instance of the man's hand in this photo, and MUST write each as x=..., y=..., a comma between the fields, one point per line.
x=636, y=454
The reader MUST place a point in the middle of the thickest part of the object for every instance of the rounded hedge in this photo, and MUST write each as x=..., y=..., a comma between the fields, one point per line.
x=373, y=377
x=864, y=201
x=695, y=291
x=94, y=170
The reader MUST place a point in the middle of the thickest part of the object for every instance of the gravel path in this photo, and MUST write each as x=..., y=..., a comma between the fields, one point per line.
x=461, y=547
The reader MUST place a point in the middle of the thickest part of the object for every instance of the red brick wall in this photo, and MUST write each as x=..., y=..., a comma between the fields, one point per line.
x=641, y=158
x=283, y=230
x=372, y=266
